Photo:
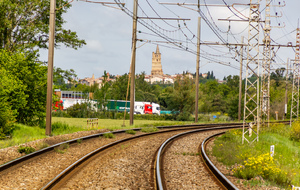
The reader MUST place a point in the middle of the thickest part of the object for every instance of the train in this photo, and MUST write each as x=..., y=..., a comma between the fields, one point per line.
x=139, y=107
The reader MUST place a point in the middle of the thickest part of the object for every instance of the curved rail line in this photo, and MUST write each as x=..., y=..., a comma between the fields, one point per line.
x=74, y=141
x=221, y=178
x=76, y=166
x=159, y=177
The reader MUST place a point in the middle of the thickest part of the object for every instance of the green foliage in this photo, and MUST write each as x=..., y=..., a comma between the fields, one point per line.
x=60, y=77
x=43, y=145
x=28, y=99
x=180, y=98
x=26, y=149
x=265, y=166
x=131, y=132
x=60, y=113
x=79, y=141
x=295, y=131
x=62, y=148
x=249, y=161
x=109, y=135
x=149, y=129
x=83, y=110
x=19, y=32
x=190, y=154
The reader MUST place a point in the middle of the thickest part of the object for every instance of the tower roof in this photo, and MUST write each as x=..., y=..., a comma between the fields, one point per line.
x=157, y=49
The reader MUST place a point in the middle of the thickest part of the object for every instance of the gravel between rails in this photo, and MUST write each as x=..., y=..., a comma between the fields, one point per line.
x=127, y=166
x=34, y=174
x=183, y=167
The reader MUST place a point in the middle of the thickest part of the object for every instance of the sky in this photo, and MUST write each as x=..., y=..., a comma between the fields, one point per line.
x=108, y=34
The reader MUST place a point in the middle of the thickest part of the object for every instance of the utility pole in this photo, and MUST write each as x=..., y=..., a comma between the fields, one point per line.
x=286, y=88
x=133, y=53
x=295, y=93
x=251, y=99
x=265, y=80
x=197, y=70
x=241, y=74
x=50, y=67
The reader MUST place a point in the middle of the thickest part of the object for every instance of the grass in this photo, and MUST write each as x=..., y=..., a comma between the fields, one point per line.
x=61, y=125
x=23, y=134
x=248, y=161
x=132, y=132
x=26, y=149
x=108, y=135
x=62, y=148
x=149, y=129
x=114, y=124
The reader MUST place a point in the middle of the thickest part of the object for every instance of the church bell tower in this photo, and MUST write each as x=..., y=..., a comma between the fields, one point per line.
x=156, y=63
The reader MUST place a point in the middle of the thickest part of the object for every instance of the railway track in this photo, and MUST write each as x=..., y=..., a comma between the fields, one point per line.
x=13, y=167
x=161, y=171
x=76, y=170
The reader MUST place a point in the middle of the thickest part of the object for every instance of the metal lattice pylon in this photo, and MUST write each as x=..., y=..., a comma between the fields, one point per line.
x=265, y=80
x=251, y=98
x=295, y=93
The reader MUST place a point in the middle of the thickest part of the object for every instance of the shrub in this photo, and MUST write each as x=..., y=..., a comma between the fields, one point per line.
x=149, y=129
x=43, y=145
x=62, y=148
x=79, y=141
x=60, y=113
x=278, y=129
x=108, y=135
x=25, y=149
x=295, y=131
x=57, y=126
x=83, y=110
x=7, y=118
x=263, y=165
x=131, y=132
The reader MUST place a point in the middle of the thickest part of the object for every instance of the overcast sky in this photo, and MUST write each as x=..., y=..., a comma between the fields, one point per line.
x=108, y=33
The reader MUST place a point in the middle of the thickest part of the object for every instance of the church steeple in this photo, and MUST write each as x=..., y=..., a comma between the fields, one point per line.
x=156, y=63
x=157, y=49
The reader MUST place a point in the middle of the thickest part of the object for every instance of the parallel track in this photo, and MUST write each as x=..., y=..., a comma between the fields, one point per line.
x=74, y=141
x=75, y=167
x=159, y=176
x=80, y=162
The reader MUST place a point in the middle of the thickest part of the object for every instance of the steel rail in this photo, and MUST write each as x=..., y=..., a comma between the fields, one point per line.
x=58, y=180
x=158, y=166
x=51, y=148
x=221, y=178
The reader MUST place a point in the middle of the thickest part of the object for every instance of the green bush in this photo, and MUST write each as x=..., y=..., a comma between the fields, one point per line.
x=57, y=126
x=149, y=129
x=60, y=113
x=25, y=149
x=83, y=110
x=265, y=166
x=184, y=116
x=109, y=135
x=295, y=131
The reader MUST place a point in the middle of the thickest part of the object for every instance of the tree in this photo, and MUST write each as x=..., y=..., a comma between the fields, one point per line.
x=101, y=94
x=118, y=89
x=60, y=77
x=24, y=25
x=28, y=100
x=8, y=85
x=181, y=97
